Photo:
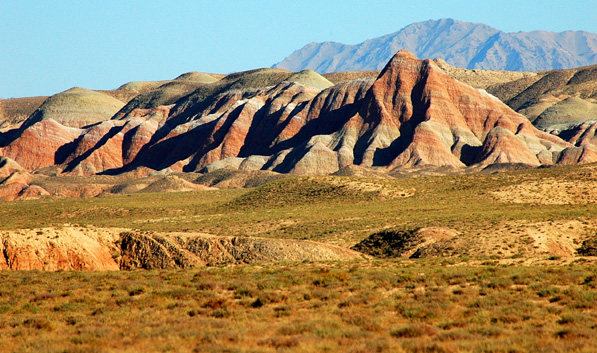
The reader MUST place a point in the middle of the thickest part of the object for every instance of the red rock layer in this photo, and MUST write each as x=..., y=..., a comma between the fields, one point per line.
x=52, y=249
x=413, y=114
x=38, y=145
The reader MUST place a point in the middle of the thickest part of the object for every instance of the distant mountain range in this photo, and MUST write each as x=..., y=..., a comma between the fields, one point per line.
x=462, y=44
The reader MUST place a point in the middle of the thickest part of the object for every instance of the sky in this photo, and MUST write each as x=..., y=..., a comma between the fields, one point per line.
x=49, y=46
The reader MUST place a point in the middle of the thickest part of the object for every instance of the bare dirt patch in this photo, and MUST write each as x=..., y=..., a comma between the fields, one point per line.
x=550, y=191
x=532, y=241
x=384, y=190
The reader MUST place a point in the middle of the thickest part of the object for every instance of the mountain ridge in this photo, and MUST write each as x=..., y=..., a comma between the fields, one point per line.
x=413, y=116
x=462, y=44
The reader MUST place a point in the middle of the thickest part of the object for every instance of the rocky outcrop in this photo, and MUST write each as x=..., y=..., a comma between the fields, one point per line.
x=411, y=243
x=52, y=249
x=232, y=178
x=153, y=251
x=111, y=249
x=172, y=183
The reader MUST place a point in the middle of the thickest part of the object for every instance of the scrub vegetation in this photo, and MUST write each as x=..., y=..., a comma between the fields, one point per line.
x=362, y=306
x=500, y=290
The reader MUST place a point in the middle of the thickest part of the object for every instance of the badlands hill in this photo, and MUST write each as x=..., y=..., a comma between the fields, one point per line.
x=462, y=44
x=16, y=110
x=262, y=123
x=563, y=102
x=412, y=114
x=556, y=99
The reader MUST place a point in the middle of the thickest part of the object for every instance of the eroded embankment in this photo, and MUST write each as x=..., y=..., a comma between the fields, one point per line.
x=108, y=249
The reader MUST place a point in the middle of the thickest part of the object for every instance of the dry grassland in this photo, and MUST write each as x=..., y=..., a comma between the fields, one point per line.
x=512, y=281
x=379, y=306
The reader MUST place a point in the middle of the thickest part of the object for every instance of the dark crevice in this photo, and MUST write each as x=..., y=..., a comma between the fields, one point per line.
x=420, y=105
x=127, y=143
x=64, y=151
x=5, y=254
x=111, y=133
x=325, y=124
x=217, y=137
x=468, y=154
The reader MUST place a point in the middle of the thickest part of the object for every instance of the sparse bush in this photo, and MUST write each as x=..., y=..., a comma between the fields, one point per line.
x=389, y=243
x=588, y=247
x=39, y=324
x=413, y=331
x=361, y=309
x=136, y=291
x=243, y=292
x=545, y=292
x=220, y=313
x=257, y=303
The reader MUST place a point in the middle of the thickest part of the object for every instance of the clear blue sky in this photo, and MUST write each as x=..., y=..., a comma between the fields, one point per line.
x=50, y=46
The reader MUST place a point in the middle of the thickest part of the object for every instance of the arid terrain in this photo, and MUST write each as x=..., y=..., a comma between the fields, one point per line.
x=449, y=263
x=401, y=210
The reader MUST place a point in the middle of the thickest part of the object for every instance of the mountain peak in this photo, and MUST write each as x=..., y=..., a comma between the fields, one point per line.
x=461, y=44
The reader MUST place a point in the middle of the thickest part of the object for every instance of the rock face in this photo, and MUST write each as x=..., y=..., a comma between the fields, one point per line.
x=185, y=251
x=412, y=114
x=111, y=249
x=58, y=249
x=463, y=44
